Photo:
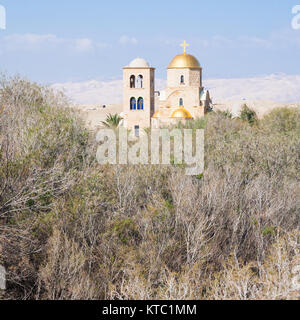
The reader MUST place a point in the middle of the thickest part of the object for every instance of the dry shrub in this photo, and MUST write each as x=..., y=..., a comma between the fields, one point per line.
x=274, y=279
x=71, y=229
x=65, y=274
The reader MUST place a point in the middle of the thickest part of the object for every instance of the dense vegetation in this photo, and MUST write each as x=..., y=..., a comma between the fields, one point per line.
x=72, y=229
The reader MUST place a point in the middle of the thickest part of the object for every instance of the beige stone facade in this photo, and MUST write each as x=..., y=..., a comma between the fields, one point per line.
x=138, y=95
x=183, y=99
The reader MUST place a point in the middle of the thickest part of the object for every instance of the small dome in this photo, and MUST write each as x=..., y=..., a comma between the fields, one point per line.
x=156, y=115
x=181, y=113
x=139, y=63
x=183, y=61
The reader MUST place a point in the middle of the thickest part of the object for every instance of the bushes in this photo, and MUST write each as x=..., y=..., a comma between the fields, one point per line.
x=71, y=229
x=283, y=120
x=249, y=115
x=42, y=144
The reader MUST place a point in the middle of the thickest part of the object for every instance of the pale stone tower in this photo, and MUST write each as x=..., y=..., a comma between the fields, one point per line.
x=138, y=95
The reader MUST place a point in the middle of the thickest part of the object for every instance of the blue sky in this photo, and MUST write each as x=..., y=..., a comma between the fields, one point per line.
x=57, y=41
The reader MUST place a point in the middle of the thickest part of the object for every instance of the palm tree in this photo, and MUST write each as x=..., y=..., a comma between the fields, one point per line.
x=112, y=121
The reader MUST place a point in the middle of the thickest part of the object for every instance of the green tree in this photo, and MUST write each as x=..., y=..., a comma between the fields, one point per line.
x=112, y=121
x=248, y=114
x=226, y=113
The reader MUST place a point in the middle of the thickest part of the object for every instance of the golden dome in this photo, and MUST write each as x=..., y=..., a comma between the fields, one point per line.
x=181, y=113
x=183, y=61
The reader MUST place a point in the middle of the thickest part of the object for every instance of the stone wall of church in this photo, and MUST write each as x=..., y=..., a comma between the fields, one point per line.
x=195, y=77
x=197, y=112
x=192, y=77
x=189, y=95
x=174, y=77
x=141, y=118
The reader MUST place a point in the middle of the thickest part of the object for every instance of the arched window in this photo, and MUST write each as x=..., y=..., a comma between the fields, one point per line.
x=180, y=102
x=182, y=79
x=132, y=104
x=139, y=81
x=132, y=81
x=140, y=103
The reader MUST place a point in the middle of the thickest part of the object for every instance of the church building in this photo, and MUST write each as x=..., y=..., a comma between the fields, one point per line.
x=183, y=99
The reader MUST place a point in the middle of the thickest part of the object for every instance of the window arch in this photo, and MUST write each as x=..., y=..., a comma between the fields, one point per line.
x=180, y=102
x=140, y=103
x=132, y=104
x=182, y=79
x=132, y=81
x=139, y=81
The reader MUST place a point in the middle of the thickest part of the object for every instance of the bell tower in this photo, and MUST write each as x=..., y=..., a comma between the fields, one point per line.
x=138, y=95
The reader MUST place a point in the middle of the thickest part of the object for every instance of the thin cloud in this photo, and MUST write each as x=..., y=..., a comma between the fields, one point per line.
x=83, y=44
x=279, y=39
x=243, y=41
x=36, y=42
x=124, y=40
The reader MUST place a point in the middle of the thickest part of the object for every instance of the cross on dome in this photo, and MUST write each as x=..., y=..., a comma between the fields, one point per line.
x=184, y=45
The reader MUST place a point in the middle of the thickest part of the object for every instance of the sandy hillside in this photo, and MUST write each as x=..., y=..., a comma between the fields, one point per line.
x=261, y=107
x=95, y=114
